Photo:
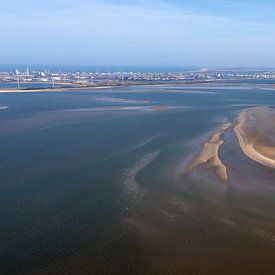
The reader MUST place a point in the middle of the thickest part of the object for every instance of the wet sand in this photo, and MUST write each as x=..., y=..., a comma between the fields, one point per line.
x=120, y=100
x=252, y=129
x=209, y=156
x=128, y=108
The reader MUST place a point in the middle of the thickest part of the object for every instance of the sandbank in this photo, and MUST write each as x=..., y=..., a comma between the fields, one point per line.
x=209, y=155
x=250, y=146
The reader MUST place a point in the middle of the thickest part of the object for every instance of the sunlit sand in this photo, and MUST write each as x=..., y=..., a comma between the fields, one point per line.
x=209, y=156
x=250, y=133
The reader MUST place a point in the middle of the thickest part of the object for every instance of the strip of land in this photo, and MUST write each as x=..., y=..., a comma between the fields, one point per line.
x=59, y=89
x=209, y=155
x=69, y=88
x=251, y=147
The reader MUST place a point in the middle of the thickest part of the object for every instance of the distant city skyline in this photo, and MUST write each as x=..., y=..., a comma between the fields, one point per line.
x=203, y=33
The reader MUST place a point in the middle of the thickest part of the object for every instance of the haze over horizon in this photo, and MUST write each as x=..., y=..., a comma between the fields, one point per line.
x=138, y=33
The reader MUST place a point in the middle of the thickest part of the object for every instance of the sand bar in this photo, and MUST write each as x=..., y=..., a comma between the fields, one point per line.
x=250, y=146
x=209, y=155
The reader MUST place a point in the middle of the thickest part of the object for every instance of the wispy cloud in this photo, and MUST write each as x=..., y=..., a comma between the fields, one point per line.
x=136, y=32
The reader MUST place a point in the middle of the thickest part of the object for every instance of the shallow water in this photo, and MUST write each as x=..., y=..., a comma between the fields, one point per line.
x=104, y=191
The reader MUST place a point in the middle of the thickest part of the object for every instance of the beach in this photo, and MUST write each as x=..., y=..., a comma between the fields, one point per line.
x=251, y=145
x=209, y=155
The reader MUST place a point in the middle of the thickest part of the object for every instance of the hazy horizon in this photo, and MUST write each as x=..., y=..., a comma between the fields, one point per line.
x=124, y=68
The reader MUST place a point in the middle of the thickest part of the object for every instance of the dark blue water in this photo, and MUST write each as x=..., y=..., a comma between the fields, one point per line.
x=85, y=189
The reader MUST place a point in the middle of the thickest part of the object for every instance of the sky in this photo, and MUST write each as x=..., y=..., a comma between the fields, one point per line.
x=206, y=33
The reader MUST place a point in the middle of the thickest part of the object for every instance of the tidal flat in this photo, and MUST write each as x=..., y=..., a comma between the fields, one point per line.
x=138, y=180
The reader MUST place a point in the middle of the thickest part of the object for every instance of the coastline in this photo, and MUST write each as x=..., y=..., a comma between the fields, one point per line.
x=209, y=155
x=248, y=147
x=193, y=84
x=59, y=89
x=94, y=87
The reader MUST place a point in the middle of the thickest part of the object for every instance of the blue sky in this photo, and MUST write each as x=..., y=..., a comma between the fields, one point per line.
x=136, y=33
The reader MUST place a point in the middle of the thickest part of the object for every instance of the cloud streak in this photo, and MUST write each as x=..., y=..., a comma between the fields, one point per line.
x=135, y=33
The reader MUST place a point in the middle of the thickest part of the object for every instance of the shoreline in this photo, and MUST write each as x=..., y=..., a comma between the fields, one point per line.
x=248, y=148
x=209, y=154
x=69, y=88
x=59, y=89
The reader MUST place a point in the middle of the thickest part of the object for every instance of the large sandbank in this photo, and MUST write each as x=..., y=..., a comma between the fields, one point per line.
x=254, y=131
